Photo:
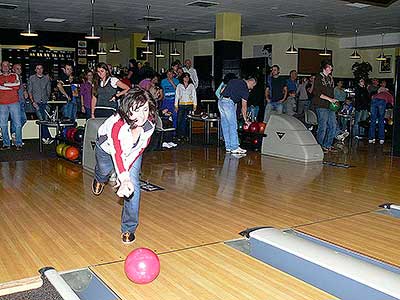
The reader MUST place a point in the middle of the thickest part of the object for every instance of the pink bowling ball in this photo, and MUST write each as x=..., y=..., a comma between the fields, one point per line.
x=142, y=266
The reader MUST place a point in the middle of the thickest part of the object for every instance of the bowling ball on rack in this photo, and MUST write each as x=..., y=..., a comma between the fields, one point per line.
x=72, y=153
x=254, y=127
x=59, y=149
x=255, y=142
x=262, y=126
x=64, y=132
x=79, y=134
x=72, y=134
x=246, y=127
x=64, y=150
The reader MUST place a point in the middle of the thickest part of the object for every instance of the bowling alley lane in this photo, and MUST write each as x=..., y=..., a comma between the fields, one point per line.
x=371, y=234
x=210, y=272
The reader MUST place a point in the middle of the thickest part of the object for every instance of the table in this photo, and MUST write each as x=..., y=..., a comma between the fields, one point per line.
x=207, y=122
x=208, y=102
x=59, y=125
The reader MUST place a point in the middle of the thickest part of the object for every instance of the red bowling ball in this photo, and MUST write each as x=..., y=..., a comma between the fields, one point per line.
x=254, y=127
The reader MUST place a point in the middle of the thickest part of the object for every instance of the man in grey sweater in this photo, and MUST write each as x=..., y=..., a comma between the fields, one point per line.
x=39, y=89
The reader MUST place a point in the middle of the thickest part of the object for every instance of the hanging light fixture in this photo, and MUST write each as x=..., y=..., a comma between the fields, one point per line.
x=159, y=53
x=102, y=51
x=292, y=49
x=381, y=56
x=29, y=31
x=147, y=51
x=325, y=53
x=148, y=39
x=175, y=52
x=92, y=35
x=114, y=48
x=355, y=54
x=92, y=53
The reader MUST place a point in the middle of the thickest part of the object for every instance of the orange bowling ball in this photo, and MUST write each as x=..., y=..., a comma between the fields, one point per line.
x=262, y=126
x=72, y=153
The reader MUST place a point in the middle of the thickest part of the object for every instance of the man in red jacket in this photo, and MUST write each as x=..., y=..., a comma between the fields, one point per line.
x=9, y=105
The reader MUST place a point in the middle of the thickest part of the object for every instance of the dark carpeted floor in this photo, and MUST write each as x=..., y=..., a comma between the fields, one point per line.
x=30, y=151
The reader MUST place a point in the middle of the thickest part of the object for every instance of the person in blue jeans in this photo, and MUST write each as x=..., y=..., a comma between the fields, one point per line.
x=378, y=108
x=169, y=85
x=323, y=92
x=39, y=89
x=237, y=90
x=121, y=141
x=275, y=93
x=22, y=96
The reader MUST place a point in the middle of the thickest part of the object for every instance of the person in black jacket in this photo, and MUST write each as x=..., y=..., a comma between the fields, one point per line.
x=362, y=102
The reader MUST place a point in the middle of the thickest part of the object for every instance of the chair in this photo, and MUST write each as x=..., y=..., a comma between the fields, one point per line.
x=160, y=128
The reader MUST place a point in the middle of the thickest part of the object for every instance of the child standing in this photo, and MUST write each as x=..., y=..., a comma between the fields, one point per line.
x=290, y=103
x=120, y=144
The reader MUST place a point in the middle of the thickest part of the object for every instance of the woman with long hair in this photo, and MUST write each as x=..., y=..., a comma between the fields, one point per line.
x=185, y=101
x=86, y=94
x=105, y=92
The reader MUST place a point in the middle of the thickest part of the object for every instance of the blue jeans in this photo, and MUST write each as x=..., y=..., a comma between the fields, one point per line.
x=102, y=172
x=360, y=115
x=326, y=127
x=183, y=111
x=253, y=110
x=42, y=116
x=277, y=106
x=378, y=107
x=70, y=109
x=23, y=117
x=88, y=113
x=14, y=111
x=227, y=110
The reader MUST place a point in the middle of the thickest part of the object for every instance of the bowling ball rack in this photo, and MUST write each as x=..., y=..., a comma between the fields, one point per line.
x=61, y=139
x=247, y=140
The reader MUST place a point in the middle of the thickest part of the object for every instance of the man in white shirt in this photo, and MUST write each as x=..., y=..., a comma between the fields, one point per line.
x=192, y=71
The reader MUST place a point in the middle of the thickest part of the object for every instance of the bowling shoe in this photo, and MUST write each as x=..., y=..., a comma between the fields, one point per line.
x=97, y=187
x=128, y=237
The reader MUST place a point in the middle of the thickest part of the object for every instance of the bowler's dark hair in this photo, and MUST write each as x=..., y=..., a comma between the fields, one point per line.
x=136, y=97
x=325, y=63
x=185, y=74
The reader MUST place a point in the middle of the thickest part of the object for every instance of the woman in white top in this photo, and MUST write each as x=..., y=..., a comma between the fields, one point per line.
x=105, y=92
x=185, y=101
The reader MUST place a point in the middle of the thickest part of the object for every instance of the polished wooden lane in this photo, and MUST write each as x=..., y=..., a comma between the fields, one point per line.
x=371, y=234
x=48, y=215
x=211, y=272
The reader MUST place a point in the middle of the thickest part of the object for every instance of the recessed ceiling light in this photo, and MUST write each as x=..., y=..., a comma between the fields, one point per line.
x=202, y=3
x=201, y=31
x=150, y=18
x=292, y=15
x=54, y=20
x=358, y=5
x=8, y=6
x=185, y=33
x=114, y=28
